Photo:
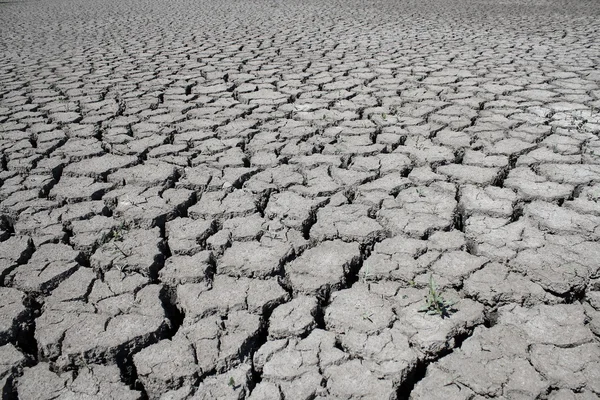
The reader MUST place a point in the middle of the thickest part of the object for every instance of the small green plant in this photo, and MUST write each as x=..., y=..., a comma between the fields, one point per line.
x=231, y=382
x=114, y=234
x=366, y=274
x=121, y=268
x=119, y=232
x=435, y=304
x=367, y=317
x=85, y=363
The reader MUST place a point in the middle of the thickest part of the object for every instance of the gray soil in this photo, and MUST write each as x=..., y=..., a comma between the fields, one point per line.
x=248, y=199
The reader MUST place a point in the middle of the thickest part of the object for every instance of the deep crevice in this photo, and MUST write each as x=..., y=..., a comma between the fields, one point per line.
x=129, y=374
x=26, y=333
x=501, y=177
x=417, y=374
x=168, y=297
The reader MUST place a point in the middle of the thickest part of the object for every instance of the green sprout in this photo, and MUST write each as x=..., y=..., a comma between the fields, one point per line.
x=366, y=274
x=115, y=234
x=121, y=268
x=435, y=304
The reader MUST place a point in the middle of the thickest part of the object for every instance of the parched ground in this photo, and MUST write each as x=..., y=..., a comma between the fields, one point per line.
x=248, y=199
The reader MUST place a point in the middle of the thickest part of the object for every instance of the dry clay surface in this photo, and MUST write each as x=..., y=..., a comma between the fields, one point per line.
x=247, y=199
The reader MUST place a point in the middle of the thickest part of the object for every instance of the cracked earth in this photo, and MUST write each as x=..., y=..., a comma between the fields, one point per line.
x=247, y=199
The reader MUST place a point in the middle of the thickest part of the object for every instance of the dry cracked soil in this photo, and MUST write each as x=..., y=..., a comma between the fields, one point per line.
x=248, y=199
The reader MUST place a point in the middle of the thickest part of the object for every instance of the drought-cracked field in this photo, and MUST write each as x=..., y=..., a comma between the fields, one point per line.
x=251, y=199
